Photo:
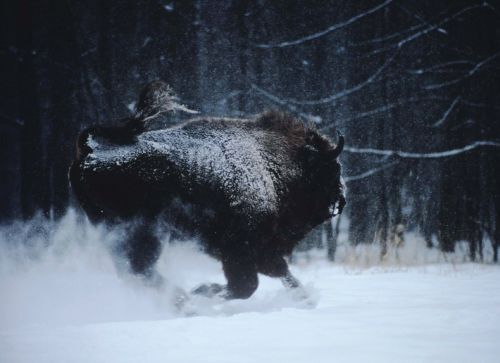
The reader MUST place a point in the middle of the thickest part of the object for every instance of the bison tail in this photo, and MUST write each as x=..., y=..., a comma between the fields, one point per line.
x=156, y=98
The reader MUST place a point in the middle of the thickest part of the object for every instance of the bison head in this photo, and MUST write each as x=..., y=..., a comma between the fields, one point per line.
x=324, y=171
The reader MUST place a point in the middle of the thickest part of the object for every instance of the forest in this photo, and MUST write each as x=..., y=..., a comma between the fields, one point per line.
x=414, y=85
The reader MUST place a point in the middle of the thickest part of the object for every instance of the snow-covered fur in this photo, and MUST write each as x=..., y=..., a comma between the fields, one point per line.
x=250, y=189
x=156, y=98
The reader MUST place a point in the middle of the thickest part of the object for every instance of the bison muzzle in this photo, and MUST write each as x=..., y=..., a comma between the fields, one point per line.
x=248, y=189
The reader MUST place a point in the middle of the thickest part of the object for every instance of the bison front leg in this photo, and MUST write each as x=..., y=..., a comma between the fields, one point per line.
x=289, y=281
x=241, y=273
x=276, y=266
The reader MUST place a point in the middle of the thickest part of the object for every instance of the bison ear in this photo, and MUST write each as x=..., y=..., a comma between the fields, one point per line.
x=334, y=153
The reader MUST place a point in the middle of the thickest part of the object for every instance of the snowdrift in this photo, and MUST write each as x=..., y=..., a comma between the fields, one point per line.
x=64, y=299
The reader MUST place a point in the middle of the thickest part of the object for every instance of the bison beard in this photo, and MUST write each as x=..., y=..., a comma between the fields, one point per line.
x=248, y=189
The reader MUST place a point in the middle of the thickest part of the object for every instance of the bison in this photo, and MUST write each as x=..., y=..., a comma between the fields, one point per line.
x=248, y=189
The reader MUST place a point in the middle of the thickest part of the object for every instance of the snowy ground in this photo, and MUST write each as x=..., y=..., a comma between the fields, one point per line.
x=68, y=304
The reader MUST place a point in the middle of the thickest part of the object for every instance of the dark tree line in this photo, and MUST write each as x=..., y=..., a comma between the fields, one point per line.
x=414, y=85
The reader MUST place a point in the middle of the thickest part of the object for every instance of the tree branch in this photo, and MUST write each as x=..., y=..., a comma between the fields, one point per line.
x=438, y=25
x=327, y=30
x=368, y=173
x=338, y=95
x=384, y=108
x=432, y=155
x=397, y=34
x=447, y=113
x=438, y=66
x=469, y=74
x=402, y=102
x=430, y=28
x=283, y=102
x=413, y=14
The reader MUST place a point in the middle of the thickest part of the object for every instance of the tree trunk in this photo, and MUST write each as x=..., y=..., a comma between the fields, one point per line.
x=332, y=235
x=31, y=152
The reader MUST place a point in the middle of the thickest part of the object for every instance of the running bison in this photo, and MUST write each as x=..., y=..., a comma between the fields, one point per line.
x=248, y=189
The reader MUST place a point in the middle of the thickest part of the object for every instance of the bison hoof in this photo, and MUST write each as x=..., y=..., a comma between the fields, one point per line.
x=303, y=297
x=208, y=290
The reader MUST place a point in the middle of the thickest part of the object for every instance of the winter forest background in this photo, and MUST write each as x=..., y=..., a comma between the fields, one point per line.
x=413, y=85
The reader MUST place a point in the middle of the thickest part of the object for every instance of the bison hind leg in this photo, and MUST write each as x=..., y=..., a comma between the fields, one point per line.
x=141, y=249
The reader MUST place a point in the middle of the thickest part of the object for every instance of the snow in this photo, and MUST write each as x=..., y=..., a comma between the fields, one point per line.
x=216, y=155
x=169, y=7
x=64, y=301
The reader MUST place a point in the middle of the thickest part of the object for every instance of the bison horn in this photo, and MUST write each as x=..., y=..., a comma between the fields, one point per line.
x=340, y=146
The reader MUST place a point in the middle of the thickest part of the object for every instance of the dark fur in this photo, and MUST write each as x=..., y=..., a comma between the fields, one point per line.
x=247, y=241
